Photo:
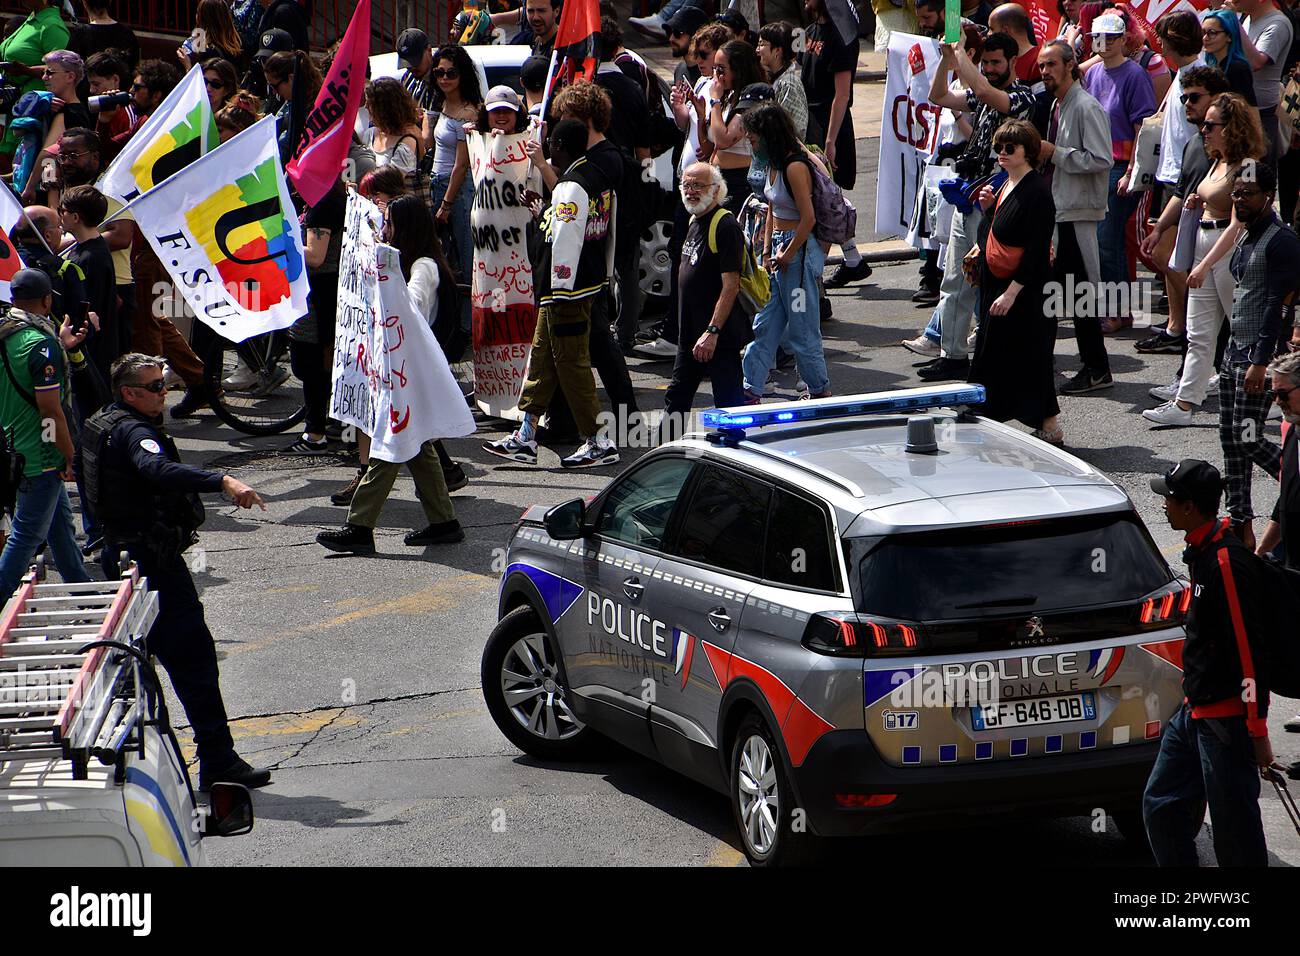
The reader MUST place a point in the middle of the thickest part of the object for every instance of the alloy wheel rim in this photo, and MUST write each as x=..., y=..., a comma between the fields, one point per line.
x=759, y=798
x=533, y=691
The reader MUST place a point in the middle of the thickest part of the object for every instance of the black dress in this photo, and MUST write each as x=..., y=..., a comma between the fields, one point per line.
x=1013, y=352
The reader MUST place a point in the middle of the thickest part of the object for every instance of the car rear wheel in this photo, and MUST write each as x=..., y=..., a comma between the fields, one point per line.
x=773, y=832
x=525, y=691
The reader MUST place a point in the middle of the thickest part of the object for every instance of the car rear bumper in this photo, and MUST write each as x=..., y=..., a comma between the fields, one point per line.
x=845, y=762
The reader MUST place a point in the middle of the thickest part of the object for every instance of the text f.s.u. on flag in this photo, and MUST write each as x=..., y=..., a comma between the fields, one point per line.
x=226, y=231
x=177, y=133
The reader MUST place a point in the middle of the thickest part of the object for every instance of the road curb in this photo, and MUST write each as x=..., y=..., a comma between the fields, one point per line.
x=880, y=255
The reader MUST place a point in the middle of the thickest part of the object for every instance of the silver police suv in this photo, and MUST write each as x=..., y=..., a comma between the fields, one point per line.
x=850, y=615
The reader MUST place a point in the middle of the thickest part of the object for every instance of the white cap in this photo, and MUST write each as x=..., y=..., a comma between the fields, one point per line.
x=1109, y=24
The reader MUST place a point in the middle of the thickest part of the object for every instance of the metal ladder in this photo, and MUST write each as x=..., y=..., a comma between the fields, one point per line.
x=58, y=702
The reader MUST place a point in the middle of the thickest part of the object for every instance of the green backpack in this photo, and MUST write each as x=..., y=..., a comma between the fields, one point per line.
x=755, y=287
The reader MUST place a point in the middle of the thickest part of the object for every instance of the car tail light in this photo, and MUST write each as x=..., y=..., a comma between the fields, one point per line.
x=852, y=635
x=860, y=801
x=1167, y=606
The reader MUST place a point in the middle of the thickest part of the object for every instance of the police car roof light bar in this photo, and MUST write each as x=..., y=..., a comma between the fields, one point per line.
x=827, y=409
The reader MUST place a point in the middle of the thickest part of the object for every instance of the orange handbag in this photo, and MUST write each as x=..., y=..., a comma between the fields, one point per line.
x=1003, y=261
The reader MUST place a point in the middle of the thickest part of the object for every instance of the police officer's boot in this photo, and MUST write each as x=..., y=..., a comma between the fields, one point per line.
x=350, y=539
x=238, y=772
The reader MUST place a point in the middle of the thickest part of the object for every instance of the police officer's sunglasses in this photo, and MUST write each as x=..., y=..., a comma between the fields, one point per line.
x=157, y=386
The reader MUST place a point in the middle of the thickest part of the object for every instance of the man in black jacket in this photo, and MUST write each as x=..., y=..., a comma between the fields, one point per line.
x=1216, y=746
x=289, y=16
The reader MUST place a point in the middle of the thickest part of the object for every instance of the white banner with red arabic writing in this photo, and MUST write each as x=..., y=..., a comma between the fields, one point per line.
x=501, y=287
x=909, y=130
x=390, y=378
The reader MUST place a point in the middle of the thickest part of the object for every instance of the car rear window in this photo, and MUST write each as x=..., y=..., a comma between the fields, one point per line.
x=1001, y=569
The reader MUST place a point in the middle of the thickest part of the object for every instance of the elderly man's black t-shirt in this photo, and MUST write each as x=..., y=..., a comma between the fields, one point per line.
x=700, y=282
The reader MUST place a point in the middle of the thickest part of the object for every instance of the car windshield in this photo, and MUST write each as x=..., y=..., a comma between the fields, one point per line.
x=1025, y=567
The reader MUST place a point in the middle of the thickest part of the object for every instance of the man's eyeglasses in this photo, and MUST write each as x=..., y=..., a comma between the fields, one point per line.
x=690, y=187
x=138, y=86
x=157, y=386
x=447, y=74
x=64, y=156
x=1186, y=98
x=677, y=33
x=1247, y=192
x=1283, y=394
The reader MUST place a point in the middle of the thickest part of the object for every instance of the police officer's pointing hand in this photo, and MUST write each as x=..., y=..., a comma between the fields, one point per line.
x=240, y=493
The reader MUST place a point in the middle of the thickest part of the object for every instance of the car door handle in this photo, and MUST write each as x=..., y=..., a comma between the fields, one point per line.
x=720, y=619
x=633, y=588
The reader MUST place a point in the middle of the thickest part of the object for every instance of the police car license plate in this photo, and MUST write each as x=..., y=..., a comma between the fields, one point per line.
x=1035, y=710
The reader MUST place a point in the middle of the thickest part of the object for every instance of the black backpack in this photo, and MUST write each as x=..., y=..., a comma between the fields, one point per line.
x=1280, y=669
x=448, y=327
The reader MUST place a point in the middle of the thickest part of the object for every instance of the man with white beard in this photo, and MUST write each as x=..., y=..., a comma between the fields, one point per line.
x=1284, y=524
x=713, y=327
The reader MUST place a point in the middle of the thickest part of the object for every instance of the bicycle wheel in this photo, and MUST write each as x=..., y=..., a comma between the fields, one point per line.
x=252, y=385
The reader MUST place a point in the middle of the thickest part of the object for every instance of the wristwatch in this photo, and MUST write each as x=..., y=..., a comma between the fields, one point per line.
x=712, y=330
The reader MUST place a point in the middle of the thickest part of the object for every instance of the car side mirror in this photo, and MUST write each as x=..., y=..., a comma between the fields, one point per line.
x=230, y=810
x=567, y=521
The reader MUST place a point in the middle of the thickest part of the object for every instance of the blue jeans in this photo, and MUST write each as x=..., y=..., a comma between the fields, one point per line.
x=669, y=8
x=792, y=317
x=460, y=251
x=1205, y=760
x=1110, y=231
x=42, y=513
x=932, y=328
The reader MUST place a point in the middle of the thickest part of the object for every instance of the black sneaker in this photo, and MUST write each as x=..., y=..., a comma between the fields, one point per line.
x=455, y=477
x=446, y=532
x=943, y=369
x=1084, y=381
x=238, y=772
x=92, y=545
x=349, y=539
x=305, y=446
x=194, y=399
x=843, y=275
x=1161, y=342
x=827, y=310
x=926, y=296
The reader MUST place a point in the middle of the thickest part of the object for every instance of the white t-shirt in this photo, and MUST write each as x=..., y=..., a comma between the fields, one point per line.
x=423, y=287
x=1176, y=131
x=1271, y=34
x=691, y=151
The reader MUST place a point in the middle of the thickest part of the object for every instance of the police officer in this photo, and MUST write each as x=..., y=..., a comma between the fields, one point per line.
x=1216, y=745
x=148, y=503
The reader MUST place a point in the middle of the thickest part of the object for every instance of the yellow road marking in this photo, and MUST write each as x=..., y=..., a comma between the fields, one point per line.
x=724, y=854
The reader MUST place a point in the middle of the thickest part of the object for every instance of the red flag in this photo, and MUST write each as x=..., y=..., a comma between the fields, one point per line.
x=577, y=41
x=319, y=156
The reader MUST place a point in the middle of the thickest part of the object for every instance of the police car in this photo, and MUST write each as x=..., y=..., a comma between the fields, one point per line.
x=851, y=616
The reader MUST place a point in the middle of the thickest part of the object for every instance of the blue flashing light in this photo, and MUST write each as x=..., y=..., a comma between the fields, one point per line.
x=826, y=409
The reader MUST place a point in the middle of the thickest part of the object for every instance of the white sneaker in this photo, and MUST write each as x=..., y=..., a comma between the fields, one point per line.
x=923, y=346
x=593, y=453
x=270, y=380
x=241, y=378
x=1168, y=414
x=660, y=348
x=651, y=26
x=1274, y=413
x=1165, y=393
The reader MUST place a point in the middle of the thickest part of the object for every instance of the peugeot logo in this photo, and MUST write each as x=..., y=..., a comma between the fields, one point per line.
x=1035, y=625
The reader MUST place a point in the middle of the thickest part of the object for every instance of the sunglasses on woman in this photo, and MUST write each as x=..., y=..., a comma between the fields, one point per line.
x=1210, y=124
x=447, y=74
x=214, y=84
x=157, y=386
x=1006, y=149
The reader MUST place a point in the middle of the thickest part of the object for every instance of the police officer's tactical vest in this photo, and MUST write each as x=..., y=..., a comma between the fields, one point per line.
x=107, y=493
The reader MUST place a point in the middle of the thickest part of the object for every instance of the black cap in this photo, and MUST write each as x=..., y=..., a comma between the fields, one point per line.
x=754, y=95
x=532, y=75
x=1190, y=479
x=687, y=19
x=274, y=40
x=411, y=46
x=29, y=285
x=733, y=19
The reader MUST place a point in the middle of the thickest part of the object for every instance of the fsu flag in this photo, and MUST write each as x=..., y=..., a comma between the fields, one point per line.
x=11, y=214
x=577, y=40
x=326, y=132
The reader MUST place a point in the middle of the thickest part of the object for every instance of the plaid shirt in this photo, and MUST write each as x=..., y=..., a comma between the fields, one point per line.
x=792, y=97
x=1266, y=268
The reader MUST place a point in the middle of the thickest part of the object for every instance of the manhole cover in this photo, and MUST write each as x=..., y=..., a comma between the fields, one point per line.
x=268, y=459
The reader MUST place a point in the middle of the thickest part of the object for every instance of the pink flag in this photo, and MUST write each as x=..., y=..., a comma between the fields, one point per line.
x=319, y=156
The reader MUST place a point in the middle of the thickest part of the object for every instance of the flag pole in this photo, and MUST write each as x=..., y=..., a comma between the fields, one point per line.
x=546, y=92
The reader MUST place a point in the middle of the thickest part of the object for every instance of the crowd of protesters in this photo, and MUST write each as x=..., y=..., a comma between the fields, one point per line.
x=1076, y=158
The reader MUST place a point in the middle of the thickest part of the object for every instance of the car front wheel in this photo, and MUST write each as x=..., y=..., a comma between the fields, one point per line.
x=525, y=691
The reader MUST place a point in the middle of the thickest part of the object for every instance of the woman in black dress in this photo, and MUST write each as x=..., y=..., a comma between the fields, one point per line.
x=1013, y=349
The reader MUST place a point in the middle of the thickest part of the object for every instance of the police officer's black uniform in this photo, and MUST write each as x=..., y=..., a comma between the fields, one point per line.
x=148, y=503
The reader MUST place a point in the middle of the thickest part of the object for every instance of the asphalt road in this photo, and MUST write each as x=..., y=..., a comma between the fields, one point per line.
x=357, y=679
